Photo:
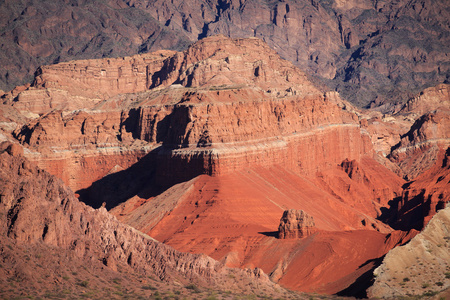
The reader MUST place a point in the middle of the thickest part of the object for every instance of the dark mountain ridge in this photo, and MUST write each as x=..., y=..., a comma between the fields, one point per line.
x=372, y=52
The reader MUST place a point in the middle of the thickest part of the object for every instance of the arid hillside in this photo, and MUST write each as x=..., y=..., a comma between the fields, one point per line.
x=224, y=150
x=372, y=52
x=54, y=246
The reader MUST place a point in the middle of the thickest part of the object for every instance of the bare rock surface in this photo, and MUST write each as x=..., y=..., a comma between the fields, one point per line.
x=212, y=107
x=418, y=148
x=204, y=149
x=373, y=53
x=423, y=197
x=295, y=224
x=210, y=148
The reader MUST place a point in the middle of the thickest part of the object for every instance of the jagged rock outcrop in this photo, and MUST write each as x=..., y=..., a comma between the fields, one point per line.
x=428, y=100
x=37, y=208
x=295, y=224
x=423, y=197
x=419, y=267
x=215, y=61
x=371, y=52
x=84, y=83
x=418, y=148
x=400, y=136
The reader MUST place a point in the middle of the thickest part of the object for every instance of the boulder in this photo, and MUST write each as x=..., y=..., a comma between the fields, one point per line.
x=295, y=224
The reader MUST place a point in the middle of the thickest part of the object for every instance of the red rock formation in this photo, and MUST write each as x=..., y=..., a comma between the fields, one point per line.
x=386, y=130
x=418, y=148
x=212, y=129
x=263, y=139
x=37, y=208
x=234, y=218
x=428, y=100
x=425, y=196
x=355, y=46
x=295, y=224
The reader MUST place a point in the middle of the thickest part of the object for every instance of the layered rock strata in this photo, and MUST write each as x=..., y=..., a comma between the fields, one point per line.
x=37, y=208
x=418, y=148
x=227, y=137
x=425, y=196
x=218, y=107
x=369, y=51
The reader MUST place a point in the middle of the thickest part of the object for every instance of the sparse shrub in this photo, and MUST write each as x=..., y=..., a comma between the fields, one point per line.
x=439, y=283
x=447, y=275
x=406, y=279
x=89, y=294
x=430, y=293
x=425, y=285
x=116, y=280
x=83, y=283
x=193, y=287
x=148, y=287
x=65, y=277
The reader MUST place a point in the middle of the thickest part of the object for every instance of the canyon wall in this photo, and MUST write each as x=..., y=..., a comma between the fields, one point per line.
x=418, y=148
x=204, y=149
x=220, y=106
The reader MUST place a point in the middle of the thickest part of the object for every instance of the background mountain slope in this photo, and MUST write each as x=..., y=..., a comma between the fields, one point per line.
x=372, y=52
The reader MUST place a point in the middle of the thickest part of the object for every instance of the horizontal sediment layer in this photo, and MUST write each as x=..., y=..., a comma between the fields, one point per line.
x=304, y=153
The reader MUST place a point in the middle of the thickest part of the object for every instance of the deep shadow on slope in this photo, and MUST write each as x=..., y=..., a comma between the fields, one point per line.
x=138, y=180
x=116, y=188
x=421, y=198
x=152, y=175
x=358, y=289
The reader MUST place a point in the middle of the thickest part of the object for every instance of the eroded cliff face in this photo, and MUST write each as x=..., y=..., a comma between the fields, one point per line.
x=295, y=224
x=254, y=129
x=423, y=197
x=220, y=106
x=204, y=150
x=418, y=148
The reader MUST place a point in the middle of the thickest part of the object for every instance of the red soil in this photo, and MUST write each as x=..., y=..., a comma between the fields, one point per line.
x=235, y=217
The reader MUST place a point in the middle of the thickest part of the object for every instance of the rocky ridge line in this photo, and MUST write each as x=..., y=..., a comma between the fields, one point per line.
x=371, y=52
